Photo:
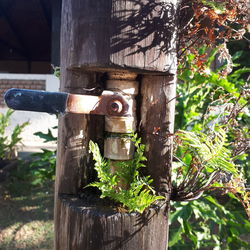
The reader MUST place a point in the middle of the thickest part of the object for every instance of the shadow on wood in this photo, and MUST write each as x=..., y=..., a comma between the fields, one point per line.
x=115, y=36
x=92, y=225
x=108, y=35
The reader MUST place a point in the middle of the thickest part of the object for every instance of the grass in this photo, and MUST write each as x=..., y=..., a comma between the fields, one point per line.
x=26, y=216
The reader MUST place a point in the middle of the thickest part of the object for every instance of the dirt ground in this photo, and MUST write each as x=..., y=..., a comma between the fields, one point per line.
x=26, y=216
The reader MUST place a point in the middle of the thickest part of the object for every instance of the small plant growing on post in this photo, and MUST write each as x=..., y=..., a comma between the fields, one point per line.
x=135, y=192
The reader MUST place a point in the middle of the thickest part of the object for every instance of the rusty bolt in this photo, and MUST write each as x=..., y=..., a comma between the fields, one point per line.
x=116, y=106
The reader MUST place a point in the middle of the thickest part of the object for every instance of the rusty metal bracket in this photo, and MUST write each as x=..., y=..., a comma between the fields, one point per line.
x=108, y=103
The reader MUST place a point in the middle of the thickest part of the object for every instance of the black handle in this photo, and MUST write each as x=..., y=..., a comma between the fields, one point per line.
x=33, y=100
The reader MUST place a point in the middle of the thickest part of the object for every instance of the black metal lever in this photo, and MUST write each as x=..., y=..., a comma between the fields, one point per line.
x=39, y=101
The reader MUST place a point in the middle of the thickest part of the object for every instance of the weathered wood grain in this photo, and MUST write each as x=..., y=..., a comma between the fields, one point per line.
x=74, y=164
x=100, y=228
x=74, y=168
x=157, y=126
x=114, y=36
x=107, y=35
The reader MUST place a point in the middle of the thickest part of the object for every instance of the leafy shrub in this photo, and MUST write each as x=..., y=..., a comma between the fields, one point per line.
x=203, y=159
x=208, y=98
x=42, y=168
x=206, y=224
x=8, y=145
x=206, y=164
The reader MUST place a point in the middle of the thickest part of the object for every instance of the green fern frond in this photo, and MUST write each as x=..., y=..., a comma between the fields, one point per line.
x=101, y=165
x=210, y=150
x=139, y=195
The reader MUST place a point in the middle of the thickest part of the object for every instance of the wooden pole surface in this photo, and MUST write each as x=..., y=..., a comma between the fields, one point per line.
x=99, y=38
x=157, y=128
x=108, y=35
x=87, y=225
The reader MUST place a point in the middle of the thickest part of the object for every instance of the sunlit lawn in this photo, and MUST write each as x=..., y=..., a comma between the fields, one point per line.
x=26, y=216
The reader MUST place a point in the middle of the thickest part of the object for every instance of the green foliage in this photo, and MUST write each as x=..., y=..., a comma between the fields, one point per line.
x=9, y=144
x=47, y=137
x=208, y=98
x=124, y=185
x=210, y=150
x=218, y=7
x=56, y=71
x=205, y=163
x=202, y=160
x=240, y=48
x=198, y=88
x=42, y=168
x=205, y=223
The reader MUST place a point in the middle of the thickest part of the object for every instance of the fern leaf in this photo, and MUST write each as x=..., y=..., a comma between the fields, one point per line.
x=210, y=150
x=139, y=194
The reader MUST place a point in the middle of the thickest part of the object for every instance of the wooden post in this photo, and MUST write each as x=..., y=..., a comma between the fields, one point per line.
x=157, y=127
x=102, y=40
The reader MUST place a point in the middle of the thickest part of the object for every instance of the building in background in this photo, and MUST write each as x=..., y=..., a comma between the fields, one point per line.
x=29, y=46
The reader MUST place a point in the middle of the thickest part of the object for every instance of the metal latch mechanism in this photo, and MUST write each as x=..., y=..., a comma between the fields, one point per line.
x=109, y=103
x=118, y=106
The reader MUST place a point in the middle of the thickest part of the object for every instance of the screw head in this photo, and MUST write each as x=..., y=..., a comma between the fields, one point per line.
x=115, y=107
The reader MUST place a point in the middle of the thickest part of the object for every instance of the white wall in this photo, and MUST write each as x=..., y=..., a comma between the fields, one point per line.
x=38, y=121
